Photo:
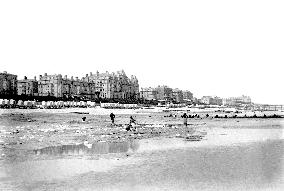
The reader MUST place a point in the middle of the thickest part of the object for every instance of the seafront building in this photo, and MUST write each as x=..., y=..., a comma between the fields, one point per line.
x=99, y=85
x=206, y=100
x=235, y=101
x=210, y=100
x=27, y=87
x=148, y=93
x=8, y=84
x=115, y=85
x=59, y=87
x=187, y=95
x=166, y=94
x=217, y=101
x=177, y=95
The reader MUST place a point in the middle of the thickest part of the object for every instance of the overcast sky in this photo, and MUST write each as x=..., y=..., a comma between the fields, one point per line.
x=224, y=48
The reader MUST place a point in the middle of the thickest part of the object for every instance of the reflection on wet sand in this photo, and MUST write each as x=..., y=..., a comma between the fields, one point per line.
x=226, y=159
x=96, y=148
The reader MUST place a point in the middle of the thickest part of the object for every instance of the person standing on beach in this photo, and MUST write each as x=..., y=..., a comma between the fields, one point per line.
x=184, y=116
x=112, y=116
x=132, y=120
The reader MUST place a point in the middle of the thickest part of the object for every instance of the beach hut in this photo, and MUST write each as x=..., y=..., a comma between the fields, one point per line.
x=20, y=104
x=61, y=104
x=43, y=104
x=50, y=104
x=12, y=103
x=56, y=104
x=33, y=104
x=83, y=104
x=89, y=103
x=7, y=102
x=66, y=104
x=37, y=104
x=93, y=104
x=2, y=103
x=72, y=103
x=27, y=104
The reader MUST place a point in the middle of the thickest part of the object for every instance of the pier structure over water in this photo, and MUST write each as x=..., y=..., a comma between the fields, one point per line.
x=267, y=107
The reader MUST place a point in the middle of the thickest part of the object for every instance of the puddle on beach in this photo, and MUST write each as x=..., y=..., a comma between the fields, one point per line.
x=91, y=149
x=244, y=167
x=73, y=160
x=257, y=160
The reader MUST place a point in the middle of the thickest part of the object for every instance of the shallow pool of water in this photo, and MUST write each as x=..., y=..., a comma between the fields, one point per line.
x=226, y=159
x=90, y=149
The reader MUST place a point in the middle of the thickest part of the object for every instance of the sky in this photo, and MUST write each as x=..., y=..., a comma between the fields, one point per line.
x=219, y=48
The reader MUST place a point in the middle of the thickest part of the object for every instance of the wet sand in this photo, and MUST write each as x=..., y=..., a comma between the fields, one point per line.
x=244, y=155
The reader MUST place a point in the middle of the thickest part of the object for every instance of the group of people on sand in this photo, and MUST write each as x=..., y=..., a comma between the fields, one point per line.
x=130, y=126
x=132, y=122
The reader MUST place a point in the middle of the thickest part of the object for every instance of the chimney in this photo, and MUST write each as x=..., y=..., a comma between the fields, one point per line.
x=35, y=78
x=65, y=77
x=45, y=74
x=77, y=78
x=72, y=78
x=86, y=75
x=25, y=78
x=91, y=73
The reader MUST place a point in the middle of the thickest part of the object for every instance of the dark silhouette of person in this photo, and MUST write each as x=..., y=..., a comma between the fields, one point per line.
x=184, y=116
x=132, y=120
x=112, y=116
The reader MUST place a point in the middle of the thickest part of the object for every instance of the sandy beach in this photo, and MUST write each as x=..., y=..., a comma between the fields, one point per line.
x=55, y=150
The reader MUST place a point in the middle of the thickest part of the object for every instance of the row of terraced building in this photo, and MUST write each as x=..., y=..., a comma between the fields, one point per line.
x=98, y=85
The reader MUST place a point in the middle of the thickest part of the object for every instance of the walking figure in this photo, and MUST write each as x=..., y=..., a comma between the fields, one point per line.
x=184, y=116
x=131, y=125
x=132, y=120
x=112, y=116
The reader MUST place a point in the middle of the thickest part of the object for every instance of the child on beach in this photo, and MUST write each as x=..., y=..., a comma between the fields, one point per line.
x=132, y=124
